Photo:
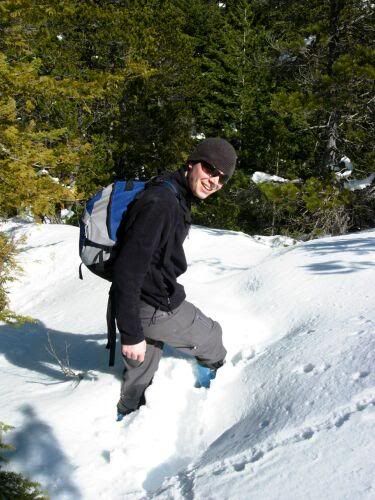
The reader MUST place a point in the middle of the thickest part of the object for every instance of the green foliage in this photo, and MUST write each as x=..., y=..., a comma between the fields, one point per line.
x=62, y=68
x=3, y=446
x=363, y=209
x=285, y=195
x=15, y=486
x=309, y=209
x=317, y=194
x=30, y=154
x=8, y=269
x=153, y=131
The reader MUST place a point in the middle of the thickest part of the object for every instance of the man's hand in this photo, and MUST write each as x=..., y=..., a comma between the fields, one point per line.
x=135, y=352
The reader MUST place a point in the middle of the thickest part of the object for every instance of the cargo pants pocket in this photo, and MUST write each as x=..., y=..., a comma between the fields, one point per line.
x=207, y=335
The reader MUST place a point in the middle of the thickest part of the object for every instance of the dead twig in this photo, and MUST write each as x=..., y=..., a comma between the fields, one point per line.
x=64, y=364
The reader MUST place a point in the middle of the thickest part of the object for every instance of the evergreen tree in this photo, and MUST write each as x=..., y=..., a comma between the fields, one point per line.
x=155, y=123
x=320, y=103
x=323, y=71
x=31, y=153
x=92, y=90
x=64, y=65
x=7, y=268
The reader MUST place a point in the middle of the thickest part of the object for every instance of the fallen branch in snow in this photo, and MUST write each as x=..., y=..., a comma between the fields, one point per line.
x=64, y=364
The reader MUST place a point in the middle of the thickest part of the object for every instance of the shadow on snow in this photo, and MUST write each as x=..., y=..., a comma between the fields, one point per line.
x=217, y=265
x=354, y=246
x=26, y=346
x=39, y=455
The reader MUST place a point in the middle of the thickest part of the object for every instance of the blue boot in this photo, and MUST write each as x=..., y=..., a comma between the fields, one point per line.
x=122, y=412
x=204, y=376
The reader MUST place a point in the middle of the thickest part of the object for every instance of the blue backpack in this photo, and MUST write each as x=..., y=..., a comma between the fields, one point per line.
x=101, y=220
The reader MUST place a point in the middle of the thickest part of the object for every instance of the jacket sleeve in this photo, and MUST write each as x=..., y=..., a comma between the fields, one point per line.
x=144, y=236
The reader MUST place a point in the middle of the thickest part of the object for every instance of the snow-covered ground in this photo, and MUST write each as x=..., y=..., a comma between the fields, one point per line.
x=290, y=415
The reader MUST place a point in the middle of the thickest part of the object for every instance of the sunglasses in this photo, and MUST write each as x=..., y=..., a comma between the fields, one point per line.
x=214, y=172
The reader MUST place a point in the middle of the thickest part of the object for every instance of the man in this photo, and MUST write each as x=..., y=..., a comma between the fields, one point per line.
x=150, y=305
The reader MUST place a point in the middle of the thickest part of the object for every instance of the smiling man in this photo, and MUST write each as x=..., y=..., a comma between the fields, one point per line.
x=150, y=305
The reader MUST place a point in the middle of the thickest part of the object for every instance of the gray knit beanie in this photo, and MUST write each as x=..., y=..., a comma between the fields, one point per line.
x=217, y=152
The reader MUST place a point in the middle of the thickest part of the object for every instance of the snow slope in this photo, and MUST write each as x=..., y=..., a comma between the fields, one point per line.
x=290, y=415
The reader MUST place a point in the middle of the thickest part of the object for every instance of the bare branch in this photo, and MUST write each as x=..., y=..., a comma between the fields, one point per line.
x=64, y=364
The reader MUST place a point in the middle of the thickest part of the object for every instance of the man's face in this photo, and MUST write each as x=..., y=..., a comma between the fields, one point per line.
x=201, y=181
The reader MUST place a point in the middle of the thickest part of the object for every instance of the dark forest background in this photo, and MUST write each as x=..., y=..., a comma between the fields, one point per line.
x=93, y=90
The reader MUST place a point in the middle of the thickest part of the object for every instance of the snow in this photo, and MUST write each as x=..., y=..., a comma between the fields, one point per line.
x=310, y=40
x=347, y=170
x=352, y=185
x=41, y=172
x=289, y=416
x=259, y=177
x=199, y=136
x=356, y=184
x=65, y=213
x=347, y=162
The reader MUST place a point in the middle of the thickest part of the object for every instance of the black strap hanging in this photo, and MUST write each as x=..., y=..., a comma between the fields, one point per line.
x=111, y=328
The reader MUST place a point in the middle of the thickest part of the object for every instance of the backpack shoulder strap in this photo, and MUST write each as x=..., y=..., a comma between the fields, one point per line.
x=172, y=187
x=111, y=328
x=159, y=181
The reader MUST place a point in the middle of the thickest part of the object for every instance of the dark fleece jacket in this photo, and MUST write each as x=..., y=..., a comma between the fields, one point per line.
x=151, y=255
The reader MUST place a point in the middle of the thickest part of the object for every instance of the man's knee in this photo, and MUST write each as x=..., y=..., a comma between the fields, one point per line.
x=212, y=351
x=219, y=339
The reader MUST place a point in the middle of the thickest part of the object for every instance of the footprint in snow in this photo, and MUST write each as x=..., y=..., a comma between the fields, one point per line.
x=243, y=355
x=341, y=419
x=106, y=454
x=307, y=368
x=264, y=424
x=307, y=433
x=359, y=375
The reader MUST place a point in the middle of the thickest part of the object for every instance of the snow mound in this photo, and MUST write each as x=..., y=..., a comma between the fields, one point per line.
x=290, y=415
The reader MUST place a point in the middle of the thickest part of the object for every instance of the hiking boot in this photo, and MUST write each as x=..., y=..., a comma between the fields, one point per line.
x=204, y=375
x=123, y=413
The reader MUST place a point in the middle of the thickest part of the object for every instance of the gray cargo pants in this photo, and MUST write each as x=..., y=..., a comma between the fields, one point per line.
x=185, y=328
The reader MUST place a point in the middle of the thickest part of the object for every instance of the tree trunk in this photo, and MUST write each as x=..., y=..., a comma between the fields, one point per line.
x=336, y=7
